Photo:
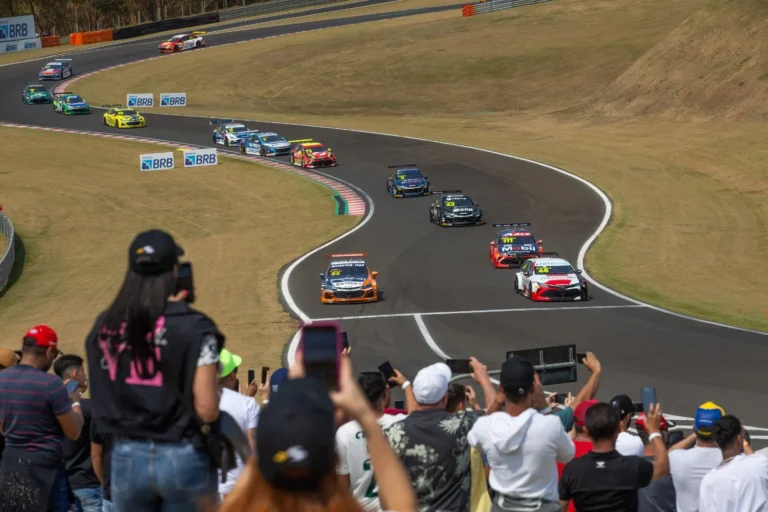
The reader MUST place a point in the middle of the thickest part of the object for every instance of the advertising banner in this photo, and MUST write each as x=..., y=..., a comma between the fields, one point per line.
x=200, y=157
x=20, y=45
x=173, y=99
x=156, y=161
x=19, y=27
x=140, y=100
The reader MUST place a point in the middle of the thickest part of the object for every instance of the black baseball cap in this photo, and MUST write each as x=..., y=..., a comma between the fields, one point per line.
x=295, y=441
x=153, y=252
x=517, y=376
x=624, y=405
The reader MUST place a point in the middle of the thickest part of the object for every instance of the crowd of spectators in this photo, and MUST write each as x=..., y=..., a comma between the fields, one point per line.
x=169, y=426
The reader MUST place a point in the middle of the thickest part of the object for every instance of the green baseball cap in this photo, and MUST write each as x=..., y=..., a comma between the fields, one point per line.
x=228, y=362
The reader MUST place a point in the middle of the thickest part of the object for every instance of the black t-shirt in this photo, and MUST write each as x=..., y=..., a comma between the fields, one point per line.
x=605, y=482
x=77, y=454
x=106, y=455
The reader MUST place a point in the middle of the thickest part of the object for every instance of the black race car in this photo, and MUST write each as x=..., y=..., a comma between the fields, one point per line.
x=407, y=181
x=453, y=208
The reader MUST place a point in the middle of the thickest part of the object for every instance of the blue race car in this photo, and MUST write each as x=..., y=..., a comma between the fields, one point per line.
x=407, y=181
x=264, y=144
x=59, y=69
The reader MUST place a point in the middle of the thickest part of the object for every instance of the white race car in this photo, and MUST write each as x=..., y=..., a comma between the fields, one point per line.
x=550, y=279
x=182, y=42
x=229, y=133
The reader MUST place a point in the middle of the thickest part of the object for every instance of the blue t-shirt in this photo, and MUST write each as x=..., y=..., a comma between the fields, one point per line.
x=30, y=400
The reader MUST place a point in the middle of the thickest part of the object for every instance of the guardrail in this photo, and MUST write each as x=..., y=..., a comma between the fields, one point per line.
x=269, y=7
x=9, y=256
x=496, y=5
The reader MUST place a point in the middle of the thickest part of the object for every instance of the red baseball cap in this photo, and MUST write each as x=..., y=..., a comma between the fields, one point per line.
x=581, y=411
x=41, y=336
x=663, y=423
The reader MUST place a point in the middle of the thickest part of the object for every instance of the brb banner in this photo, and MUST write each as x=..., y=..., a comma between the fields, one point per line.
x=20, y=46
x=200, y=157
x=140, y=100
x=20, y=27
x=156, y=161
x=173, y=99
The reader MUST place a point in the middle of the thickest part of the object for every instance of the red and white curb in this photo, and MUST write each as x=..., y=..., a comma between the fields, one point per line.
x=356, y=205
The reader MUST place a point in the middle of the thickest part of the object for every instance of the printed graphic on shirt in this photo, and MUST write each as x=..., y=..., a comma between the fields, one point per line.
x=109, y=359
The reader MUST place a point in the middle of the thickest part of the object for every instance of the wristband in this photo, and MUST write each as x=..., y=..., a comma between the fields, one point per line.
x=653, y=436
x=76, y=404
x=264, y=402
x=406, y=384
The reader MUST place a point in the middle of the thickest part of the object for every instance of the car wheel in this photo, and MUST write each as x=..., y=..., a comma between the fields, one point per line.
x=585, y=293
x=213, y=137
x=515, y=286
x=104, y=120
x=176, y=49
x=243, y=150
x=530, y=291
x=226, y=141
x=262, y=151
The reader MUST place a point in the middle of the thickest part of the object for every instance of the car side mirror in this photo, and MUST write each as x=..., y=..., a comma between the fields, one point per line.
x=578, y=271
x=374, y=273
x=527, y=273
x=477, y=205
x=493, y=242
x=322, y=276
x=539, y=241
x=426, y=176
x=329, y=150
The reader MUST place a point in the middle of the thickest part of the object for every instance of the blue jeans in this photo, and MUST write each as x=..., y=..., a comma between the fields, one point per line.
x=88, y=499
x=167, y=477
x=108, y=506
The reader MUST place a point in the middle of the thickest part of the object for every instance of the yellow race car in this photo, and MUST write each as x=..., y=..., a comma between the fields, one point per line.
x=120, y=117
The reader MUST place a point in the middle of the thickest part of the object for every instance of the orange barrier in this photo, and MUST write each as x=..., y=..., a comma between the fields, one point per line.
x=468, y=10
x=96, y=36
x=51, y=41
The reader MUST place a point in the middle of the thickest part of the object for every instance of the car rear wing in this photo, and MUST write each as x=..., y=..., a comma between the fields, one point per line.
x=348, y=255
x=513, y=225
x=299, y=141
x=36, y=82
x=117, y=105
x=550, y=254
x=221, y=121
x=400, y=166
x=63, y=60
x=447, y=192
x=199, y=33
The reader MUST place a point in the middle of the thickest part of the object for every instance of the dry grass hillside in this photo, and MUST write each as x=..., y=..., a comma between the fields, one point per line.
x=714, y=65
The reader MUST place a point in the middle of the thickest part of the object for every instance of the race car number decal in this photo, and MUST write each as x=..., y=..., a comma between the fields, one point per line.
x=450, y=203
x=335, y=272
x=507, y=240
x=401, y=176
x=542, y=270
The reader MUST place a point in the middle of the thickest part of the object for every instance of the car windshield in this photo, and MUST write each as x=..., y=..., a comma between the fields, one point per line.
x=554, y=269
x=74, y=99
x=176, y=38
x=36, y=89
x=52, y=66
x=271, y=138
x=351, y=270
x=509, y=239
x=408, y=174
x=126, y=112
x=238, y=129
x=315, y=149
x=458, y=202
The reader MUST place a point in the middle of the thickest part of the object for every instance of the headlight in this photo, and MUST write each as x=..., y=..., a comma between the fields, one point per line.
x=368, y=287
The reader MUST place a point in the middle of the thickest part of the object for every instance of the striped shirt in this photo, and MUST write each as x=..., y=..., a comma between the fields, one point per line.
x=30, y=400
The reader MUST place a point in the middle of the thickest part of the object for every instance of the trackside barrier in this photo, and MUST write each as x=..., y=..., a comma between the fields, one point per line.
x=96, y=36
x=269, y=7
x=50, y=41
x=496, y=5
x=9, y=256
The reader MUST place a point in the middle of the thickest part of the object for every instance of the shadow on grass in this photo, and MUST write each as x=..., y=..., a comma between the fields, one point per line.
x=20, y=252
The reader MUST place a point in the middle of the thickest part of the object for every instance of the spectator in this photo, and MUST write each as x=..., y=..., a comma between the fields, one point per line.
x=740, y=482
x=688, y=466
x=521, y=445
x=296, y=452
x=603, y=479
x=8, y=358
x=659, y=495
x=461, y=397
x=581, y=440
x=432, y=443
x=36, y=413
x=153, y=366
x=101, y=457
x=241, y=407
x=626, y=444
x=275, y=380
x=82, y=480
x=354, y=466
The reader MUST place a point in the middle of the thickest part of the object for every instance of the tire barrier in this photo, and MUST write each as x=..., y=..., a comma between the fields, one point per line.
x=96, y=36
x=50, y=41
x=161, y=26
x=496, y=5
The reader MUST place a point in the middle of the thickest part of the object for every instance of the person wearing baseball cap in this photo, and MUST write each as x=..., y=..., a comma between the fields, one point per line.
x=626, y=444
x=700, y=454
x=522, y=446
x=36, y=413
x=273, y=385
x=659, y=495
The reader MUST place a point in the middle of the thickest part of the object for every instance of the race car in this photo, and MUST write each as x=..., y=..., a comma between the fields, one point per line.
x=69, y=104
x=182, y=42
x=120, y=117
x=549, y=278
x=514, y=245
x=59, y=69
x=228, y=132
x=348, y=279
x=264, y=144
x=453, y=208
x=36, y=93
x=309, y=154
x=407, y=181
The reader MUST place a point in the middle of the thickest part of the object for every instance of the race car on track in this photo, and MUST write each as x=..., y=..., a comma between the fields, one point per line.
x=120, y=117
x=309, y=154
x=453, y=208
x=59, y=69
x=264, y=144
x=348, y=279
x=550, y=279
x=514, y=245
x=182, y=42
x=228, y=132
x=407, y=181
x=70, y=104
x=36, y=93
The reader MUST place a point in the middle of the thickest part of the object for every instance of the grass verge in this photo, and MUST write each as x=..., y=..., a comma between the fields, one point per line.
x=689, y=195
x=77, y=216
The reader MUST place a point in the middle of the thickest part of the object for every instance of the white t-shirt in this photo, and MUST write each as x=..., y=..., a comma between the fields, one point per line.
x=522, y=452
x=739, y=485
x=354, y=460
x=628, y=445
x=687, y=468
x=245, y=412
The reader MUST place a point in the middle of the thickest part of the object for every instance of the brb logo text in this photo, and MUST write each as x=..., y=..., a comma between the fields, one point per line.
x=173, y=99
x=156, y=161
x=140, y=100
x=200, y=157
x=19, y=27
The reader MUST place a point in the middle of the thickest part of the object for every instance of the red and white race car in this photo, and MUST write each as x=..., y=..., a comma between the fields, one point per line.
x=550, y=279
x=309, y=154
x=182, y=42
x=514, y=245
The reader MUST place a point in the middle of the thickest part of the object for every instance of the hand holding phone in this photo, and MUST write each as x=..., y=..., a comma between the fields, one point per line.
x=459, y=366
x=389, y=372
x=251, y=376
x=72, y=386
x=264, y=372
x=649, y=398
x=580, y=357
x=400, y=404
x=321, y=347
x=184, y=281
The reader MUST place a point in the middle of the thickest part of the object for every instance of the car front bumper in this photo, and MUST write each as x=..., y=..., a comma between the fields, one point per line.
x=347, y=296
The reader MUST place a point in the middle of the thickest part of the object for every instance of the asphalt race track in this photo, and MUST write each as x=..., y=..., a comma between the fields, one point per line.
x=441, y=294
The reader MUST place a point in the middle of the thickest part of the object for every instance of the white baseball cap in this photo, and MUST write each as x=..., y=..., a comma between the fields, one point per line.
x=431, y=383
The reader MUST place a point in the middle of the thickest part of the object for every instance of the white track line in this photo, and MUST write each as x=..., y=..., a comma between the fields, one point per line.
x=428, y=338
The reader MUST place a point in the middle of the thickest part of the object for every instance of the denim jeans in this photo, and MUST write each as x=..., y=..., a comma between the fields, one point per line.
x=88, y=499
x=162, y=477
x=108, y=506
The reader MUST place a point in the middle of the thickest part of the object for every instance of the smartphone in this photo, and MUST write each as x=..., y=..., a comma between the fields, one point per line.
x=580, y=357
x=264, y=372
x=400, y=404
x=184, y=281
x=649, y=398
x=388, y=372
x=251, y=375
x=458, y=366
x=344, y=340
x=72, y=386
x=638, y=407
x=321, y=346
x=560, y=398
